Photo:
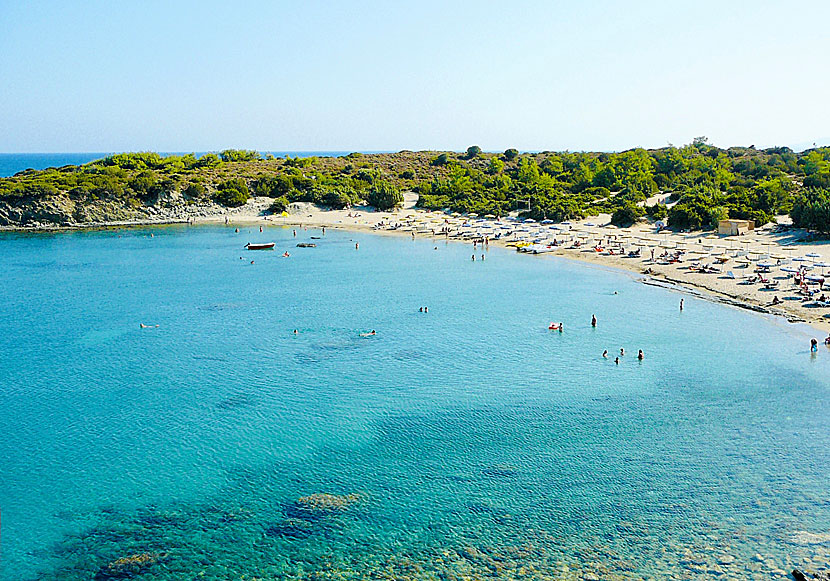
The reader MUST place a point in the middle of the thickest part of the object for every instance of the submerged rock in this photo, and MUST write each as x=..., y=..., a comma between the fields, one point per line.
x=321, y=504
x=127, y=567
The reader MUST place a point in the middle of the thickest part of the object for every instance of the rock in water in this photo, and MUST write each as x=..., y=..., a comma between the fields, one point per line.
x=320, y=504
x=799, y=575
x=127, y=567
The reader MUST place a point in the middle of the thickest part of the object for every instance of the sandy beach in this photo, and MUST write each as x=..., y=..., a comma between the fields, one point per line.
x=748, y=271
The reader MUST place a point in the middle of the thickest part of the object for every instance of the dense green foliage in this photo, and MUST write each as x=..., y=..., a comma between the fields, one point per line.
x=812, y=209
x=706, y=183
x=232, y=193
x=626, y=214
x=384, y=196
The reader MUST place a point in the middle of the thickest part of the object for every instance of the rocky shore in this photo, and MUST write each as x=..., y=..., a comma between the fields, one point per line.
x=61, y=212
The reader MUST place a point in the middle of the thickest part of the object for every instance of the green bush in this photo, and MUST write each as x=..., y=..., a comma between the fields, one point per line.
x=511, y=154
x=195, y=191
x=812, y=210
x=279, y=205
x=657, y=212
x=626, y=214
x=232, y=155
x=232, y=193
x=384, y=196
x=440, y=159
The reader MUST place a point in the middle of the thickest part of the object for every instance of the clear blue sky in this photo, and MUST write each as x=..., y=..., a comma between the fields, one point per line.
x=386, y=75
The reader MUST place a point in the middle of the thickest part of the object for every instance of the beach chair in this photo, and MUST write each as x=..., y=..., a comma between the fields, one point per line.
x=730, y=274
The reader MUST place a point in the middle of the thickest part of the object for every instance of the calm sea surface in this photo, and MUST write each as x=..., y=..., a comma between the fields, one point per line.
x=468, y=440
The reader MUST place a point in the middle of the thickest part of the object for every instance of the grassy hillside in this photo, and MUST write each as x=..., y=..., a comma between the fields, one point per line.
x=707, y=182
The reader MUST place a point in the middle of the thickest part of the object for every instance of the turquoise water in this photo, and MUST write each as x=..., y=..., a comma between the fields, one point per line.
x=466, y=441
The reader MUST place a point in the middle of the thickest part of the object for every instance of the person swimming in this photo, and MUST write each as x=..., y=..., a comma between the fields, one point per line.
x=474, y=258
x=622, y=352
x=482, y=257
x=421, y=310
x=284, y=255
x=296, y=332
x=356, y=245
x=640, y=355
x=368, y=334
x=426, y=309
x=617, y=360
x=143, y=326
x=605, y=354
x=593, y=320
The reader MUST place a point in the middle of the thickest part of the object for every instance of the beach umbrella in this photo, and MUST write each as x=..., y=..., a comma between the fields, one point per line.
x=790, y=269
x=766, y=264
x=814, y=278
x=821, y=264
x=799, y=259
x=529, y=221
x=813, y=255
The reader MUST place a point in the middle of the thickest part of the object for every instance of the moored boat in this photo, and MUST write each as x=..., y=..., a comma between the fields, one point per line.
x=261, y=246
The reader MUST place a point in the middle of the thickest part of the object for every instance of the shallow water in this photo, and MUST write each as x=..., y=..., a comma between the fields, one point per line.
x=469, y=440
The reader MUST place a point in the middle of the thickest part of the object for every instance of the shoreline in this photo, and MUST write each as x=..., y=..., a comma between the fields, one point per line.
x=667, y=276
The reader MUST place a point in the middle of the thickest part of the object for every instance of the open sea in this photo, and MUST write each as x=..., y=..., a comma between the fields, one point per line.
x=462, y=443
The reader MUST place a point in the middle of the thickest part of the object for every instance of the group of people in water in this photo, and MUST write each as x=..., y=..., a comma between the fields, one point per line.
x=640, y=355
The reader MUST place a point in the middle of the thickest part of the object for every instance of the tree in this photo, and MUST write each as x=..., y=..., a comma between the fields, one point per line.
x=626, y=214
x=195, y=191
x=511, y=154
x=384, y=196
x=496, y=166
x=279, y=205
x=812, y=210
x=440, y=159
x=239, y=155
x=232, y=193
x=473, y=151
x=657, y=212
